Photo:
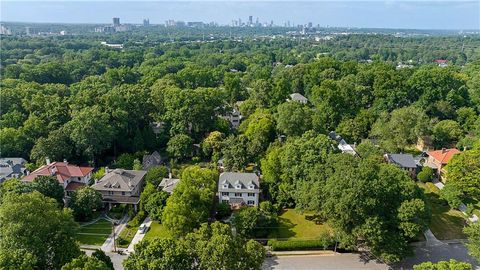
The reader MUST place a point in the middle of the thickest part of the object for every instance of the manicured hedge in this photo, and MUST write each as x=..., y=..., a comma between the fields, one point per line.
x=323, y=243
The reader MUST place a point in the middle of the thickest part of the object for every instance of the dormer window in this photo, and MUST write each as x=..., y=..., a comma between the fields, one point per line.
x=251, y=186
x=238, y=186
x=225, y=186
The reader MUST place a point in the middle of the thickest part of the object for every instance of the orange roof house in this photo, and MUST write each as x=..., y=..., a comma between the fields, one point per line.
x=68, y=175
x=440, y=158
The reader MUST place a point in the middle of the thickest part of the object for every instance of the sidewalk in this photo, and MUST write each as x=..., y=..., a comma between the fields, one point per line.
x=304, y=252
x=462, y=207
x=108, y=245
x=139, y=236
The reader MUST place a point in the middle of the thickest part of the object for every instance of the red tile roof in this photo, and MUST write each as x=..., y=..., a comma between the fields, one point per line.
x=61, y=170
x=72, y=186
x=443, y=155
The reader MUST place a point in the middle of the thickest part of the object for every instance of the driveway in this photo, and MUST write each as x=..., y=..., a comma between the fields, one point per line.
x=139, y=236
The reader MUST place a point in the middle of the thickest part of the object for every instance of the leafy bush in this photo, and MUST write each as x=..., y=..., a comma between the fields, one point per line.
x=137, y=220
x=322, y=243
x=452, y=195
x=426, y=175
x=223, y=210
x=121, y=241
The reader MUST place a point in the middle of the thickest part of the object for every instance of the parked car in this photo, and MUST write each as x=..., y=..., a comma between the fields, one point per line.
x=143, y=228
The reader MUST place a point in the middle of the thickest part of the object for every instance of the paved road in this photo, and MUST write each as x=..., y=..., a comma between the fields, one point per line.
x=117, y=259
x=139, y=236
x=350, y=261
x=354, y=261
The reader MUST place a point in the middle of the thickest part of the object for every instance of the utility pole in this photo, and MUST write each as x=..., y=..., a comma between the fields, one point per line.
x=113, y=229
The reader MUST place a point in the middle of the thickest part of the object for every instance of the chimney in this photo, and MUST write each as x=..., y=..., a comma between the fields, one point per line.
x=444, y=150
x=47, y=160
x=65, y=161
x=169, y=175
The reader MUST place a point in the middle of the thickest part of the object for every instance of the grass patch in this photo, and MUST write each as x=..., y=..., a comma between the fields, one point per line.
x=446, y=223
x=94, y=234
x=126, y=236
x=293, y=225
x=156, y=230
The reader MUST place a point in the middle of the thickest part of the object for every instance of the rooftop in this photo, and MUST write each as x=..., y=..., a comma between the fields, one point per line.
x=120, y=180
x=444, y=155
x=61, y=170
x=403, y=160
x=235, y=178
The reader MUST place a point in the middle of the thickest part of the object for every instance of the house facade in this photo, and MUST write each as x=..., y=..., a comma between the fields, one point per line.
x=121, y=186
x=403, y=161
x=238, y=189
x=71, y=177
x=12, y=168
x=438, y=159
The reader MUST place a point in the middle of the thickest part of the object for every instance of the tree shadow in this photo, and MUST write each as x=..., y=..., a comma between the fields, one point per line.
x=284, y=229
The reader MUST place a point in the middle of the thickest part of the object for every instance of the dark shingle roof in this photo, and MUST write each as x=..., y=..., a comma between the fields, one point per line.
x=402, y=160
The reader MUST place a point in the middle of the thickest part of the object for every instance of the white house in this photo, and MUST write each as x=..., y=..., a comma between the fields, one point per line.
x=239, y=189
x=298, y=98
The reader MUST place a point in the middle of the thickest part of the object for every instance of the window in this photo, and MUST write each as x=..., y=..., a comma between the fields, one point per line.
x=238, y=186
x=123, y=193
x=224, y=193
x=238, y=194
x=251, y=202
x=251, y=187
x=225, y=186
x=110, y=193
x=251, y=194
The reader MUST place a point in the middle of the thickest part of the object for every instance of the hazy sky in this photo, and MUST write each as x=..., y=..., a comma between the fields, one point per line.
x=382, y=14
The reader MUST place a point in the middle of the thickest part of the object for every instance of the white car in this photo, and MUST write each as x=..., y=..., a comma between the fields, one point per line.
x=143, y=228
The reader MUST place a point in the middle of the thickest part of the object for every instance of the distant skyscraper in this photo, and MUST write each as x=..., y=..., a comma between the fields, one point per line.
x=250, y=20
x=146, y=22
x=116, y=21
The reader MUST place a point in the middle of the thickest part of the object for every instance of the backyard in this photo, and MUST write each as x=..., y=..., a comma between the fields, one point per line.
x=294, y=226
x=446, y=223
x=94, y=234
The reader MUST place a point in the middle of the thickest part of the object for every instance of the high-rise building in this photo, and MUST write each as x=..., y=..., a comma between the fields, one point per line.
x=146, y=22
x=116, y=21
x=250, y=20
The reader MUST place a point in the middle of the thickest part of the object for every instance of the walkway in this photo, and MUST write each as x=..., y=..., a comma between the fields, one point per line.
x=139, y=236
x=108, y=245
x=431, y=239
x=462, y=207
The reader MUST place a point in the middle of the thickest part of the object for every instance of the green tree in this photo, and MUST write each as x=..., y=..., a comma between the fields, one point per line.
x=49, y=186
x=156, y=174
x=463, y=172
x=446, y=133
x=259, y=128
x=473, y=233
x=56, y=146
x=235, y=153
x=293, y=118
x=153, y=201
x=84, y=202
x=212, y=144
x=91, y=131
x=426, y=175
x=46, y=239
x=85, y=262
x=191, y=202
x=443, y=265
x=101, y=256
x=180, y=146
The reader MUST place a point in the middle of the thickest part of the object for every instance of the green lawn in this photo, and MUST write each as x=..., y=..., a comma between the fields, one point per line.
x=446, y=223
x=293, y=225
x=127, y=234
x=94, y=234
x=156, y=230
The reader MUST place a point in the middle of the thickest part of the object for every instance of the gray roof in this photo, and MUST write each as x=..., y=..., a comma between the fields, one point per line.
x=169, y=184
x=9, y=166
x=120, y=180
x=298, y=97
x=402, y=160
x=234, y=178
x=151, y=160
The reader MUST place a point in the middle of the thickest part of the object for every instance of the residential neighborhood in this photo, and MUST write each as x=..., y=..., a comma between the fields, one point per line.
x=270, y=137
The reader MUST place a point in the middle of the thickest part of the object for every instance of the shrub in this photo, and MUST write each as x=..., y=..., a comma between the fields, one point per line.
x=137, y=220
x=288, y=245
x=426, y=175
x=223, y=210
x=121, y=241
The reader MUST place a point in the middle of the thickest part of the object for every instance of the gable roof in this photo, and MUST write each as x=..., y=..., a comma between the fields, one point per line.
x=61, y=170
x=443, y=155
x=169, y=184
x=120, y=180
x=298, y=97
x=402, y=160
x=235, y=178
x=151, y=160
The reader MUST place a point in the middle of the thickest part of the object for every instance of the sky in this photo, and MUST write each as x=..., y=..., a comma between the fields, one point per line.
x=411, y=14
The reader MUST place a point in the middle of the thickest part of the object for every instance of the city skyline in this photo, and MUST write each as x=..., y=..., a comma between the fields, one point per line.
x=359, y=14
